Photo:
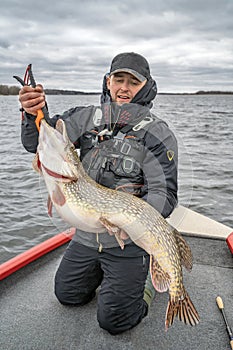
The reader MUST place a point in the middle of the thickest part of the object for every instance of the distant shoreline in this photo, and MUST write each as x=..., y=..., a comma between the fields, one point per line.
x=198, y=93
x=69, y=92
x=14, y=90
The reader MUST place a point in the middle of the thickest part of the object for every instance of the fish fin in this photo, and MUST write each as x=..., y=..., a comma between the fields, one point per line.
x=161, y=280
x=36, y=163
x=120, y=241
x=182, y=308
x=58, y=196
x=49, y=206
x=113, y=230
x=185, y=251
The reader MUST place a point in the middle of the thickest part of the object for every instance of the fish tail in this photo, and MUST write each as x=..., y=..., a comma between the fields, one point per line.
x=183, y=309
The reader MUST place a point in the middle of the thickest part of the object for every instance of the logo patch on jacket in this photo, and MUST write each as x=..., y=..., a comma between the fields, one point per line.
x=170, y=154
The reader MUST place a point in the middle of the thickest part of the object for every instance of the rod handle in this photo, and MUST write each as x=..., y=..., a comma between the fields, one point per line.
x=231, y=342
x=220, y=303
x=39, y=117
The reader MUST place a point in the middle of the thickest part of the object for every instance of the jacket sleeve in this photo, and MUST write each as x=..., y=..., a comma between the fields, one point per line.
x=76, y=120
x=160, y=169
x=29, y=132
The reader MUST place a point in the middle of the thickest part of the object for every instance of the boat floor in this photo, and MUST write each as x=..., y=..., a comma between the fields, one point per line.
x=32, y=318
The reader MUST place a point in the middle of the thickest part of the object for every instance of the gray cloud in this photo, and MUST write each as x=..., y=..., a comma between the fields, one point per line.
x=70, y=44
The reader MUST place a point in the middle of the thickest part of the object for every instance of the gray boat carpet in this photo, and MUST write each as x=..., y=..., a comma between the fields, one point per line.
x=32, y=318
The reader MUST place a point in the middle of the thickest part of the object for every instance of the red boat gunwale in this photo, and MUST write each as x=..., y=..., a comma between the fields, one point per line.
x=23, y=259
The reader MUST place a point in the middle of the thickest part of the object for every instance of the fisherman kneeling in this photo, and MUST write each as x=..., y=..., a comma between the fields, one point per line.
x=123, y=149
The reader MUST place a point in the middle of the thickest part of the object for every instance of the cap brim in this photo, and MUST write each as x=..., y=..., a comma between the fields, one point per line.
x=130, y=71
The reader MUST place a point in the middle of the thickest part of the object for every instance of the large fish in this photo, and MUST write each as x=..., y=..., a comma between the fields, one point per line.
x=83, y=203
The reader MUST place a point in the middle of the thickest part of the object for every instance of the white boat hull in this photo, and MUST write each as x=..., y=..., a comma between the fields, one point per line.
x=188, y=221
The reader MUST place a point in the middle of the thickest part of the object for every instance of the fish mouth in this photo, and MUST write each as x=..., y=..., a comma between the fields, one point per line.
x=58, y=176
x=57, y=134
x=40, y=167
x=53, y=153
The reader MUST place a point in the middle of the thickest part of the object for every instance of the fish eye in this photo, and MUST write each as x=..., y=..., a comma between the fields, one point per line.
x=72, y=146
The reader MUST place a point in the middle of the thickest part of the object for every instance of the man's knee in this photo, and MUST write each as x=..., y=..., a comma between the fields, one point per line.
x=69, y=295
x=108, y=321
x=116, y=321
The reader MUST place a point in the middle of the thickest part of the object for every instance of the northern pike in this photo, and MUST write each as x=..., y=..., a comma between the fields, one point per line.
x=83, y=203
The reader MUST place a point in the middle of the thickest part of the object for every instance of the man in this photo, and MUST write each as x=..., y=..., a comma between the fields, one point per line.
x=124, y=147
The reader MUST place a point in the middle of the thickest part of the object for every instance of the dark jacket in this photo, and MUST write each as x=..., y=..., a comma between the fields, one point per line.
x=139, y=156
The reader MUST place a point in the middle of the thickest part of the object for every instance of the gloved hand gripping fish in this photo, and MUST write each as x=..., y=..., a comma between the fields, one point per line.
x=83, y=203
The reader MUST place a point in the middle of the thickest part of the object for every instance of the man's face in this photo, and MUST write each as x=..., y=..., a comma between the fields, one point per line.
x=123, y=87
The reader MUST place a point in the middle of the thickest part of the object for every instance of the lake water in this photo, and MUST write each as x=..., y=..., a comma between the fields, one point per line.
x=203, y=125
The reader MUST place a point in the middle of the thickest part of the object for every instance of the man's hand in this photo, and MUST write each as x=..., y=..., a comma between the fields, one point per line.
x=32, y=99
x=123, y=235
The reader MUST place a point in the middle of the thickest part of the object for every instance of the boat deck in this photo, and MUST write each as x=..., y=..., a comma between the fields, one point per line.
x=32, y=318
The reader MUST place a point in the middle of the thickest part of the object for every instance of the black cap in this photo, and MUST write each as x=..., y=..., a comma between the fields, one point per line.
x=132, y=63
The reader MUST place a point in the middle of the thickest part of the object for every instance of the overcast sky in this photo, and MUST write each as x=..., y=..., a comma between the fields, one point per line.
x=70, y=43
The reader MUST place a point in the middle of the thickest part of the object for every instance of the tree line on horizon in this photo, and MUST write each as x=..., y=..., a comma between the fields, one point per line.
x=14, y=90
x=9, y=90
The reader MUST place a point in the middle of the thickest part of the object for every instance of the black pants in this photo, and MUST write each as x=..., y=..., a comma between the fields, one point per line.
x=121, y=274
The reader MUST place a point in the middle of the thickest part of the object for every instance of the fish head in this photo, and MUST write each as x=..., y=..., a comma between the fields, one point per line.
x=57, y=157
